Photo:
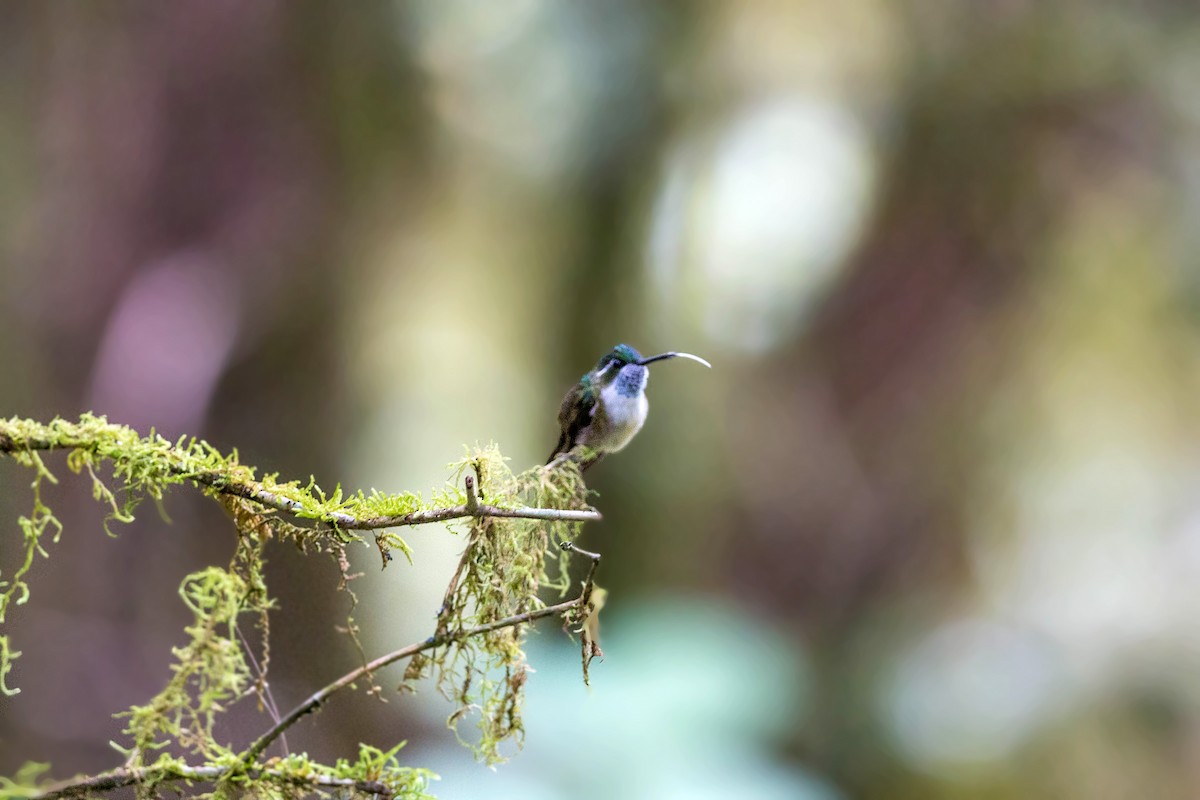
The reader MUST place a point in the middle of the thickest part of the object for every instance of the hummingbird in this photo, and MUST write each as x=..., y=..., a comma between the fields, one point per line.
x=606, y=409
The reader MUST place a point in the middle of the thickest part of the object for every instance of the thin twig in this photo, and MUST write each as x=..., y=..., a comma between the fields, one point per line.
x=452, y=587
x=588, y=644
x=265, y=688
x=588, y=582
x=117, y=778
x=574, y=548
x=472, y=504
x=318, y=698
x=457, y=512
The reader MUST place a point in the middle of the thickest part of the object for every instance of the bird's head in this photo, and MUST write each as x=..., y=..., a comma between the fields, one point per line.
x=623, y=365
x=626, y=366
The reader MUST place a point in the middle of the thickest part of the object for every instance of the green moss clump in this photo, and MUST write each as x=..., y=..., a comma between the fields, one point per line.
x=506, y=563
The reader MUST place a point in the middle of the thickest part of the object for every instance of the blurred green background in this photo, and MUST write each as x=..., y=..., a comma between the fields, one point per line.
x=928, y=529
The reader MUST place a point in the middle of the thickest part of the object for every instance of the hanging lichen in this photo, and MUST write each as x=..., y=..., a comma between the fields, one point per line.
x=514, y=528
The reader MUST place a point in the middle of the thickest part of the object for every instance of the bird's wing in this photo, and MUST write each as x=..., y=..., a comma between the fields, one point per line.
x=576, y=412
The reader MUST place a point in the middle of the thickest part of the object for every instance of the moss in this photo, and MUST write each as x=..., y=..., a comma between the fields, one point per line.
x=506, y=564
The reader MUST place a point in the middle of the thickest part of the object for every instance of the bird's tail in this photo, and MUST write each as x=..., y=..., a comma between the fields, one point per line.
x=562, y=447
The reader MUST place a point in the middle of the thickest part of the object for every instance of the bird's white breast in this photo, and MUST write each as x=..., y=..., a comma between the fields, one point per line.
x=625, y=414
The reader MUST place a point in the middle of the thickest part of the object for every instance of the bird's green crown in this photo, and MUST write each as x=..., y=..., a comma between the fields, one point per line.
x=622, y=353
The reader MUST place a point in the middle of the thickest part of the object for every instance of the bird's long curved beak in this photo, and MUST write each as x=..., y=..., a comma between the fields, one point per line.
x=664, y=356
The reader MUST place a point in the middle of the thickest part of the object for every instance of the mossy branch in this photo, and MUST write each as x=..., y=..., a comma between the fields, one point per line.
x=318, y=698
x=475, y=652
x=157, y=776
x=200, y=464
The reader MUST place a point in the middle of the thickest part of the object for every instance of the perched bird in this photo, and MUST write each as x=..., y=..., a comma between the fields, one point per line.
x=608, y=406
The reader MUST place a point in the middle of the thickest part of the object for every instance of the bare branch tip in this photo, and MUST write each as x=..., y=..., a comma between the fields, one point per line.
x=472, y=497
x=574, y=548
